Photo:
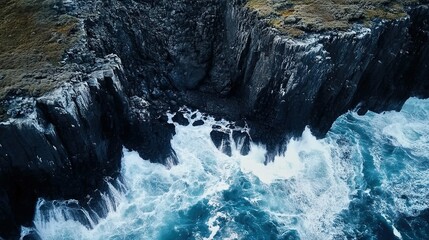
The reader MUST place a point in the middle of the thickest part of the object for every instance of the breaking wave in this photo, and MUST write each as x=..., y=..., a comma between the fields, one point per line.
x=368, y=179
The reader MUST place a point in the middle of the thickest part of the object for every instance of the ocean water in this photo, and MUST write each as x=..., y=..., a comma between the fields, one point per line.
x=368, y=179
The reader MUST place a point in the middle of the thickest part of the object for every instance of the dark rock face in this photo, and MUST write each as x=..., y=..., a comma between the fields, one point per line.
x=165, y=43
x=218, y=56
x=198, y=123
x=65, y=148
x=63, y=145
x=242, y=141
x=180, y=119
x=222, y=141
x=150, y=135
x=288, y=84
x=381, y=79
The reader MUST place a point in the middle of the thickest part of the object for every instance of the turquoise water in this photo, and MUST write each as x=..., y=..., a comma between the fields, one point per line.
x=368, y=179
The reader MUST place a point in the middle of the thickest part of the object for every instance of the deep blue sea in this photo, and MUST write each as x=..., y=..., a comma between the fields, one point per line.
x=368, y=179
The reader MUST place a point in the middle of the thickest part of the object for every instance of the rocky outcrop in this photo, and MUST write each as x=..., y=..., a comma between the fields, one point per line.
x=248, y=69
x=288, y=83
x=221, y=57
x=64, y=146
x=221, y=139
x=149, y=134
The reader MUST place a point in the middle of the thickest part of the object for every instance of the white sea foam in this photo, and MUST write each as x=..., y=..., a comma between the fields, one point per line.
x=303, y=190
x=397, y=233
x=405, y=168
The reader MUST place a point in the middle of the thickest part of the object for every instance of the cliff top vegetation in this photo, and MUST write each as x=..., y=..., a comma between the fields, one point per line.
x=34, y=35
x=294, y=17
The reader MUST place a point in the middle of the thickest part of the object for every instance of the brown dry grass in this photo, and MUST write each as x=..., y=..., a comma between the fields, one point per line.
x=320, y=15
x=33, y=38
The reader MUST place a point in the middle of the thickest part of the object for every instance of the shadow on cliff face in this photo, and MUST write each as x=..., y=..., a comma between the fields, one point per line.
x=163, y=44
x=220, y=57
x=64, y=148
x=64, y=144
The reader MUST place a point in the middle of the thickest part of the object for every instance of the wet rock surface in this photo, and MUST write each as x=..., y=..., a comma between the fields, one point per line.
x=221, y=140
x=151, y=138
x=288, y=84
x=242, y=141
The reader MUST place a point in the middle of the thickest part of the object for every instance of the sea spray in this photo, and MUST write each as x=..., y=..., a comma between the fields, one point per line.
x=369, y=171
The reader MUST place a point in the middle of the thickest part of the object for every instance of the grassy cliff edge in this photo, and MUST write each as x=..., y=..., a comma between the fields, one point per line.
x=34, y=35
x=294, y=17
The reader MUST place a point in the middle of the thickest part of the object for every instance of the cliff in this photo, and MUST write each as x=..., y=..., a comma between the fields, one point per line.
x=289, y=83
x=62, y=146
x=120, y=65
x=65, y=119
x=366, y=55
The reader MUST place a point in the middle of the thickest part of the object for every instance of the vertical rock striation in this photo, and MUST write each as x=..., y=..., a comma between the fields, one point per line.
x=163, y=44
x=64, y=147
x=288, y=83
x=221, y=57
